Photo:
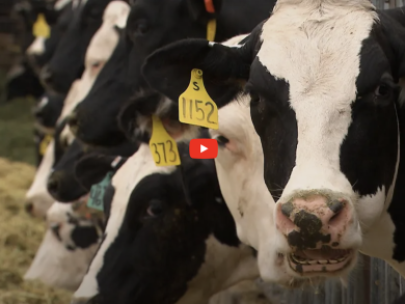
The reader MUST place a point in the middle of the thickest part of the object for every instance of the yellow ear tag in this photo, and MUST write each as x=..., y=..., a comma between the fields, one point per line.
x=41, y=28
x=196, y=107
x=211, y=29
x=163, y=147
x=44, y=144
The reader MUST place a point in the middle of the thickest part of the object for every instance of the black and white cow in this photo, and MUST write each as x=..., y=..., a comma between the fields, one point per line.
x=169, y=237
x=150, y=25
x=67, y=63
x=322, y=78
x=62, y=183
x=69, y=244
x=48, y=110
x=42, y=49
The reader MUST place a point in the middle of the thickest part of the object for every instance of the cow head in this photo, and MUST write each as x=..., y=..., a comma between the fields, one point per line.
x=150, y=25
x=154, y=228
x=42, y=49
x=63, y=184
x=321, y=77
x=67, y=63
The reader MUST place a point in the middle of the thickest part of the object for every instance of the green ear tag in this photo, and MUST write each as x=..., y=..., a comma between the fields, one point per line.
x=97, y=191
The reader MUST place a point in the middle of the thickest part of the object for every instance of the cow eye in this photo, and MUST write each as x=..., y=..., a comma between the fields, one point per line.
x=155, y=208
x=141, y=27
x=222, y=140
x=383, y=90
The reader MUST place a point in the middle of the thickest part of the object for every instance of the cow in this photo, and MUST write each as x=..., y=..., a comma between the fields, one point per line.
x=67, y=63
x=322, y=80
x=42, y=49
x=150, y=25
x=169, y=234
x=69, y=244
x=48, y=110
x=62, y=183
x=37, y=198
x=21, y=82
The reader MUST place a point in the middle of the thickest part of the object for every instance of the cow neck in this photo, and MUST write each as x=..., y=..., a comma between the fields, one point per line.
x=212, y=23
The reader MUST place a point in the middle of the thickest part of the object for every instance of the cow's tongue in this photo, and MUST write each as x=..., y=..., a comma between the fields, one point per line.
x=325, y=253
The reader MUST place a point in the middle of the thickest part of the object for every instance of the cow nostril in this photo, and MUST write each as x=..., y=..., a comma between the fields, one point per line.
x=287, y=208
x=29, y=207
x=53, y=184
x=72, y=120
x=336, y=206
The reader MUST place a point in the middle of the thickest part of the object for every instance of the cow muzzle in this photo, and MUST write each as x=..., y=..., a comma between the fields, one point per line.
x=318, y=231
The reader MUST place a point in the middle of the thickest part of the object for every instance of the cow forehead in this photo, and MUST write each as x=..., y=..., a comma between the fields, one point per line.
x=315, y=48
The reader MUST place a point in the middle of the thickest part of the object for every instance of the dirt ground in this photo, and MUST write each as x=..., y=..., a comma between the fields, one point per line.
x=20, y=235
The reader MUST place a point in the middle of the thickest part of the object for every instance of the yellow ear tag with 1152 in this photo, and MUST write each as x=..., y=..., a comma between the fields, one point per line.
x=196, y=107
x=163, y=147
x=41, y=28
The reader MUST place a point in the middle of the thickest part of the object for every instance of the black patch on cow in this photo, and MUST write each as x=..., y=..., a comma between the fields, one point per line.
x=155, y=255
x=84, y=236
x=310, y=231
x=67, y=63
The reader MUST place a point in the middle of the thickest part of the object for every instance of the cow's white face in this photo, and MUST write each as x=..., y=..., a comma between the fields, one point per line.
x=124, y=180
x=38, y=200
x=240, y=174
x=319, y=81
x=59, y=262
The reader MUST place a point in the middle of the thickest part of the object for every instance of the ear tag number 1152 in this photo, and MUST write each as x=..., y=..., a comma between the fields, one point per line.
x=196, y=107
x=163, y=147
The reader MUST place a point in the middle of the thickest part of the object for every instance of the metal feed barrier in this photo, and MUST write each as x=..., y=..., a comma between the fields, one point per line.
x=372, y=282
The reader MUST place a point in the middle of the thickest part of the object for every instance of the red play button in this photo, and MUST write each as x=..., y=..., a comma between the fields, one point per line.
x=203, y=148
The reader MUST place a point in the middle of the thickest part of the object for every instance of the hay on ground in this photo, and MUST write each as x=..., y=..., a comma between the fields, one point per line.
x=20, y=237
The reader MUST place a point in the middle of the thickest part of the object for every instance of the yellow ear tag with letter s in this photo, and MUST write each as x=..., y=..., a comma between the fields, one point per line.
x=41, y=28
x=44, y=144
x=196, y=107
x=163, y=147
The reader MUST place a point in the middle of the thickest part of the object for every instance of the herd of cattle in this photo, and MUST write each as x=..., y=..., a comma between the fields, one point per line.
x=304, y=99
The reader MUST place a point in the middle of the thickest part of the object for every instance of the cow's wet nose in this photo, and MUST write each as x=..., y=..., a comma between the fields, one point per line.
x=312, y=221
x=53, y=185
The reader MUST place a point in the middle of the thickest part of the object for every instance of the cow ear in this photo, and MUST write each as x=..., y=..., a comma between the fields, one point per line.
x=92, y=168
x=225, y=69
x=135, y=118
x=202, y=11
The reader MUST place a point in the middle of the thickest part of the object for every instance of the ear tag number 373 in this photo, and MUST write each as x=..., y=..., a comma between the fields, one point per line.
x=163, y=147
x=196, y=107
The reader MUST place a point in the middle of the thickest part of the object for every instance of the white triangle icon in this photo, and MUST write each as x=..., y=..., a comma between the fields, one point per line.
x=203, y=148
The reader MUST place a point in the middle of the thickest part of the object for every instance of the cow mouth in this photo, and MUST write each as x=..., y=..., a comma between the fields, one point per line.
x=325, y=260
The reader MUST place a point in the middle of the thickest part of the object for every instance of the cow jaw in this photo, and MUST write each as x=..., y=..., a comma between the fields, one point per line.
x=325, y=260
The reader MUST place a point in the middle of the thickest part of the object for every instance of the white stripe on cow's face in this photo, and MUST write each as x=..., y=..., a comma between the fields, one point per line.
x=38, y=195
x=138, y=166
x=240, y=166
x=320, y=62
x=60, y=4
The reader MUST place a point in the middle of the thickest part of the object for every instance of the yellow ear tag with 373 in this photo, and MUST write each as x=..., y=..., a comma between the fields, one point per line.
x=41, y=28
x=196, y=107
x=163, y=147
